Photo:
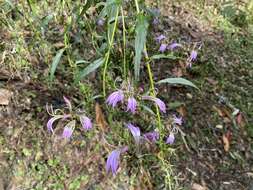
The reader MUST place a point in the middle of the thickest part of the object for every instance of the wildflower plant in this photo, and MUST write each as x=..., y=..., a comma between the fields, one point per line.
x=70, y=118
x=121, y=30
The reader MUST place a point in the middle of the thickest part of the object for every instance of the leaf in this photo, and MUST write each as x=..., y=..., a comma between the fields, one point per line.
x=178, y=81
x=91, y=67
x=176, y=104
x=162, y=56
x=225, y=142
x=100, y=119
x=111, y=10
x=140, y=40
x=55, y=63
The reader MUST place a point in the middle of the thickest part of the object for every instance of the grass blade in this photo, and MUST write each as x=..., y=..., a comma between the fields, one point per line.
x=178, y=80
x=140, y=40
x=55, y=63
x=91, y=67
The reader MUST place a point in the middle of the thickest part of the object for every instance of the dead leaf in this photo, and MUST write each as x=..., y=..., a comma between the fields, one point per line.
x=223, y=112
x=100, y=119
x=240, y=120
x=226, y=142
x=196, y=186
x=182, y=110
x=177, y=72
x=5, y=96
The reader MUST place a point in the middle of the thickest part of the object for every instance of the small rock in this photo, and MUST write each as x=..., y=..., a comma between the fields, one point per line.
x=189, y=96
x=219, y=126
x=5, y=96
x=196, y=186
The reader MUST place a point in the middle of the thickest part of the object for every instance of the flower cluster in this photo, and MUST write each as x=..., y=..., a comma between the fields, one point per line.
x=119, y=97
x=163, y=47
x=112, y=163
x=69, y=127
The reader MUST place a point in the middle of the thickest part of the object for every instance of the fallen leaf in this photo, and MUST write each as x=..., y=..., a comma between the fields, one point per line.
x=182, y=110
x=226, y=142
x=240, y=120
x=196, y=186
x=5, y=96
x=177, y=72
x=100, y=119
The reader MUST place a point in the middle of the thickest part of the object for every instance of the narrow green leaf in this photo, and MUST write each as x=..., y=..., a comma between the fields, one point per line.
x=178, y=81
x=91, y=67
x=140, y=40
x=55, y=63
x=162, y=56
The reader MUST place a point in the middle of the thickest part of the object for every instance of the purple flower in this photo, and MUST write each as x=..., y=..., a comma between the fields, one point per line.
x=160, y=38
x=151, y=136
x=68, y=129
x=177, y=120
x=170, y=139
x=86, y=122
x=193, y=56
x=112, y=163
x=67, y=101
x=157, y=101
x=100, y=22
x=67, y=132
x=160, y=104
x=174, y=46
x=162, y=48
x=131, y=104
x=115, y=97
x=155, y=21
x=135, y=132
x=51, y=121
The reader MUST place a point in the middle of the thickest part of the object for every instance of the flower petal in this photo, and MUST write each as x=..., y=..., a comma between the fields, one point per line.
x=131, y=105
x=51, y=121
x=135, y=132
x=86, y=122
x=170, y=139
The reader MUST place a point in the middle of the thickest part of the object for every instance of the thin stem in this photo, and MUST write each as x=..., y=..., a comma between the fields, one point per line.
x=108, y=52
x=124, y=43
x=137, y=6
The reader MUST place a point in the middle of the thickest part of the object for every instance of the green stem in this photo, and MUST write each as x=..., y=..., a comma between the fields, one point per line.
x=151, y=80
x=137, y=6
x=124, y=43
x=108, y=52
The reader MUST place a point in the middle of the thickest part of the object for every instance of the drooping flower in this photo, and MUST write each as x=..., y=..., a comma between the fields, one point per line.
x=151, y=136
x=162, y=48
x=160, y=38
x=115, y=97
x=131, y=104
x=170, y=139
x=112, y=163
x=68, y=129
x=193, y=56
x=157, y=101
x=51, y=121
x=160, y=104
x=174, y=46
x=67, y=101
x=85, y=122
x=135, y=132
x=177, y=120
x=67, y=132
